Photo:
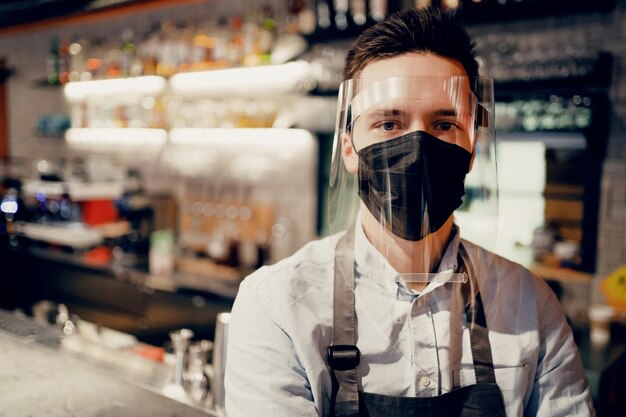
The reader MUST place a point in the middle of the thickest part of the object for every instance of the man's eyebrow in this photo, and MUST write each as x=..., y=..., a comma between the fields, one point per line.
x=444, y=112
x=386, y=112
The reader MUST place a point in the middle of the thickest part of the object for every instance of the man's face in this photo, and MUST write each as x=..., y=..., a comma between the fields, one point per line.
x=408, y=93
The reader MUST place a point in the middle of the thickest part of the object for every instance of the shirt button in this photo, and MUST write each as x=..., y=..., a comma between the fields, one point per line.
x=420, y=303
x=425, y=381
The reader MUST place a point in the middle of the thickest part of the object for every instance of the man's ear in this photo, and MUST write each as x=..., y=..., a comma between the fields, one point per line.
x=474, y=146
x=472, y=160
x=348, y=154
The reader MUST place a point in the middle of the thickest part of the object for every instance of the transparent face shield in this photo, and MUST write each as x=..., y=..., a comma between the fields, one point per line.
x=412, y=157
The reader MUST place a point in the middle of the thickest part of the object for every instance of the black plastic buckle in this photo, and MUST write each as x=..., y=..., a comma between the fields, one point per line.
x=343, y=357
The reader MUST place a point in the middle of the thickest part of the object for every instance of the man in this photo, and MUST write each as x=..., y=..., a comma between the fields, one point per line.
x=397, y=315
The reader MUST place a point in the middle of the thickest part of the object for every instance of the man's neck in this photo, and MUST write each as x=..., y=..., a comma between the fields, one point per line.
x=406, y=256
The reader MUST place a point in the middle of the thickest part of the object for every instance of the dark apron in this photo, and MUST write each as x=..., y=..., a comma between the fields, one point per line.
x=481, y=399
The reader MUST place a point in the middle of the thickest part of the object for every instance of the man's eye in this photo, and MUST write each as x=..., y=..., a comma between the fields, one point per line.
x=388, y=126
x=445, y=126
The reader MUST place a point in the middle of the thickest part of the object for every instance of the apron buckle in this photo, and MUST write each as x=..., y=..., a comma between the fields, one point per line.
x=343, y=357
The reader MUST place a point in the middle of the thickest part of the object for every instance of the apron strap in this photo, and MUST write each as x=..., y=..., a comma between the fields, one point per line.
x=479, y=335
x=479, y=341
x=343, y=355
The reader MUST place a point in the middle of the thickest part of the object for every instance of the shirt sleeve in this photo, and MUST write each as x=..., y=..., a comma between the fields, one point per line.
x=560, y=387
x=263, y=374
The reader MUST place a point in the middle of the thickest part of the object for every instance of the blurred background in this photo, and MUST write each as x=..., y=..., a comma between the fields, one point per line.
x=154, y=153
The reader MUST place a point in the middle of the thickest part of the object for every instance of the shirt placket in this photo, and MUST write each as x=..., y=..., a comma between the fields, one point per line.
x=424, y=345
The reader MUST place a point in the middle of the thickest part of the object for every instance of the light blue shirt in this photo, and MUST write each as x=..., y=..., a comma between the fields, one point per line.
x=411, y=344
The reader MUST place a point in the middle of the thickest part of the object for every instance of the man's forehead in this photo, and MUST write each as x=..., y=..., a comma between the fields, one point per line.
x=412, y=86
x=407, y=107
x=402, y=94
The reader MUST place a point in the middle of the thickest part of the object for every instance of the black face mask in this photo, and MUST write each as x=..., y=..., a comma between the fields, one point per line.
x=413, y=183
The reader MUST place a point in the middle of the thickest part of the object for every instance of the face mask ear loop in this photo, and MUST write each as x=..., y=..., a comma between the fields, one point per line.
x=352, y=143
x=349, y=128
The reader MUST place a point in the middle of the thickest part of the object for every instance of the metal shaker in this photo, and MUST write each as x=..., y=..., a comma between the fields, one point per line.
x=198, y=383
x=219, y=362
x=180, y=341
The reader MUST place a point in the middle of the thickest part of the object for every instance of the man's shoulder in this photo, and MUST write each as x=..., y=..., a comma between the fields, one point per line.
x=502, y=273
x=488, y=258
x=311, y=265
x=516, y=300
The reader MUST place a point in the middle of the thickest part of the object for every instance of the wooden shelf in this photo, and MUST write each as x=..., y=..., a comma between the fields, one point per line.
x=566, y=275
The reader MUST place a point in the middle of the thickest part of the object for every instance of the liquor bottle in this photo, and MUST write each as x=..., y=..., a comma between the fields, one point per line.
x=183, y=47
x=378, y=9
x=222, y=39
x=148, y=52
x=167, y=64
x=113, y=59
x=130, y=65
x=251, y=45
x=95, y=64
x=307, y=18
x=52, y=64
x=235, y=49
x=77, y=59
x=294, y=7
x=324, y=21
x=358, y=10
x=341, y=14
x=450, y=4
x=64, y=61
x=267, y=32
x=203, y=46
x=416, y=4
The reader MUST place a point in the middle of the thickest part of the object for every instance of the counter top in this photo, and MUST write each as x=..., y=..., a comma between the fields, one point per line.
x=42, y=378
x=226, y=288
x=560, y=274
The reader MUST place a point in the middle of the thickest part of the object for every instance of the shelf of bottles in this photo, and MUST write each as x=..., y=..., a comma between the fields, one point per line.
x=264, y=37
x=246, y=196
x=235, y=124
x=554, y=114
x=517, y=61
x=166, y=49
x=259, y=37
x=544, y=87
x=140, y=110
x=481, y=11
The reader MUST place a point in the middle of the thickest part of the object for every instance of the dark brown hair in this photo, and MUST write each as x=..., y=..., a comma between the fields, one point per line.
x=424, y=30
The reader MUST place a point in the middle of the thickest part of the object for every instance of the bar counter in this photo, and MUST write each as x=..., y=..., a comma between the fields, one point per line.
x=132, y=301
x=40, y=377
x=122, y=297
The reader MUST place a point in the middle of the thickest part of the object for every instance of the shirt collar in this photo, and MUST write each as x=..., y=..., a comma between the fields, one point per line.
x=372, y=264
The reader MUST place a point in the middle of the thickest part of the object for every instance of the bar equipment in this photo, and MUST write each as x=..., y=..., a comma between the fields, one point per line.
x=191, y=378
x=181, y=339
x=197, y=380
x=219, y=362
x=248, y=196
